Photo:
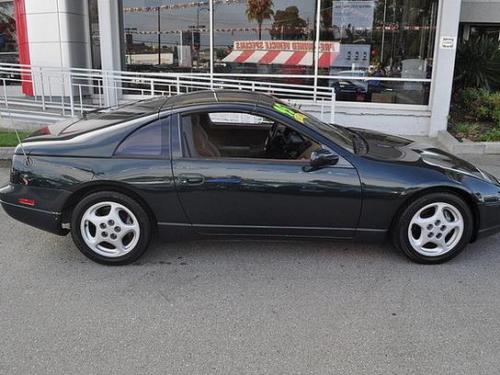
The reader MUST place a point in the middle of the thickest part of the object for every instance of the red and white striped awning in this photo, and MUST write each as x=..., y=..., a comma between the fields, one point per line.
x=299, y=58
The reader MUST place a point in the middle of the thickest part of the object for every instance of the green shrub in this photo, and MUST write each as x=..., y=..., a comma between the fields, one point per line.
x=467, y=130
x=496, y=116
x=492, y=135
x=493, y=103
x=470, y=97
x=480, y=104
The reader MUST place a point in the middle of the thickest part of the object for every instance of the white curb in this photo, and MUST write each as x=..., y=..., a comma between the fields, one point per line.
x=478, y=148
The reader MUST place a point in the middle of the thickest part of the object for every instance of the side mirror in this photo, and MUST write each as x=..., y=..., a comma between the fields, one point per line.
x=322, y=158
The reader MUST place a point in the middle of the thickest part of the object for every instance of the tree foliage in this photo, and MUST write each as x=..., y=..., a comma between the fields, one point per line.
x=259, y=10
x=288, y=25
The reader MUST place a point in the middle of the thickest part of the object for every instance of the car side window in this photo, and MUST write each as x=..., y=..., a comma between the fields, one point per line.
x=233, y=117
x=242, y=135
x=148, y=141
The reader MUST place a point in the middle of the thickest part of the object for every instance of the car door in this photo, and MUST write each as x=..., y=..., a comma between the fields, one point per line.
x=255, y=196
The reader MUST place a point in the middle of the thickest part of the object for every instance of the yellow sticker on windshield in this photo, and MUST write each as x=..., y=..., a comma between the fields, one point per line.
x=297, y=116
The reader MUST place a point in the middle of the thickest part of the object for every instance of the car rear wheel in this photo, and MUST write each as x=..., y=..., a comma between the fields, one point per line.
x=110, y=228
x=434, y=228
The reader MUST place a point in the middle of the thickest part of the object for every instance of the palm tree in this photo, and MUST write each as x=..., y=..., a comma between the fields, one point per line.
x=259, y=10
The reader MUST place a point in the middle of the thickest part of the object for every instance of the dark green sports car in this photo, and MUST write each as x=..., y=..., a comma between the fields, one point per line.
x=233, y=163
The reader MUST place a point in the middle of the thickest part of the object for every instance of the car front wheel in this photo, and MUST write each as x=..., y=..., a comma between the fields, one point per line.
x=110, y=228
x=434, y=228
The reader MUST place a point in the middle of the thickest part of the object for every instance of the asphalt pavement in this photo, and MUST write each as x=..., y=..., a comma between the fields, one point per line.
x=245, y=307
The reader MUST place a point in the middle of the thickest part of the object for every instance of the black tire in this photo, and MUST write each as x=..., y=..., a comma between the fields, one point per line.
x=400, y=231
x=110, y=196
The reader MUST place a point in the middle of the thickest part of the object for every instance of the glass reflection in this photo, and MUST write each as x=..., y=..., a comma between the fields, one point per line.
x=369, y=51
x=383, y=39
x=8, y=36
x=166, y=35
x=264, y=37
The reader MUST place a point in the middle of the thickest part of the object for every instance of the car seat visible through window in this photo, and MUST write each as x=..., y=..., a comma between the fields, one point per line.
x=196, y=139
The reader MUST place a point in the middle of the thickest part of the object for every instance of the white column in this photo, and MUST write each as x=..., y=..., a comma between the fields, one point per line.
x=110, y=39
x=58, y=38
x=444, y=61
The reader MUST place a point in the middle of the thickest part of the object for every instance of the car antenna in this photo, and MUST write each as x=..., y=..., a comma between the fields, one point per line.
x=21, y=144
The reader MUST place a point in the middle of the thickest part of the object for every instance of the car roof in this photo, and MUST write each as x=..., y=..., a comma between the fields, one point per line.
x=104, y=117
x=218, y=97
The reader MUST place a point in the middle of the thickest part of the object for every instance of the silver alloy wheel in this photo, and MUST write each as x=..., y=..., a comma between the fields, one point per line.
x=110, y=229
x=436, y=229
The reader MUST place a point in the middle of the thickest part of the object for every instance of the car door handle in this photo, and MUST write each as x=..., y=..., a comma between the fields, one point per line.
x=191, y=179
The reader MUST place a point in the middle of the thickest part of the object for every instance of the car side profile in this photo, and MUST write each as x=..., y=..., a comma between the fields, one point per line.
x=233, y=163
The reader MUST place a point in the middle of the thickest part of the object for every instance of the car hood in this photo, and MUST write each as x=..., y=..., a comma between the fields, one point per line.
x=386, y=147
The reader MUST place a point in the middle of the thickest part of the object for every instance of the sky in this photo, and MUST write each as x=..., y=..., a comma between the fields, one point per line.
x=226, y=16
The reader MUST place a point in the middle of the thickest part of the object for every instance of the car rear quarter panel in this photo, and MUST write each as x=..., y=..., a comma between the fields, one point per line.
x=55, y=182
x=151, y=179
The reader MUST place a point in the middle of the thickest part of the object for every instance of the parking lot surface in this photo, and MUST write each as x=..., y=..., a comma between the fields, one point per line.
x=245, y=307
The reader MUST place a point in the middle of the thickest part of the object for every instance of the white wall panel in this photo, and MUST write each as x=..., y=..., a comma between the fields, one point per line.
x=390, y=119
x=73, y=6
x=58, y=37
x=45, y=54
x=41, y=6
x=480, y=11
x=42, y=28
x=74, y=28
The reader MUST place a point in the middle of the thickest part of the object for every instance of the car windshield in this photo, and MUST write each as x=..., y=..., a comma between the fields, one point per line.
x=337, y=134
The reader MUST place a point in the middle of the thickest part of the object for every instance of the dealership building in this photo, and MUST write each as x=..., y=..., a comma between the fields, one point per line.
x=390, y=62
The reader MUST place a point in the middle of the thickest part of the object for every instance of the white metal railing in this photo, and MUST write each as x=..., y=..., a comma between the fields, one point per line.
x=62, y=92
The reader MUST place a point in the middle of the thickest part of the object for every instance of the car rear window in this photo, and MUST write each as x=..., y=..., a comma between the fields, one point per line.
x=150, y=141
x=106, y=117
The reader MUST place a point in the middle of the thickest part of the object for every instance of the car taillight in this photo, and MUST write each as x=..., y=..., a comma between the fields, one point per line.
x=43, y=131
x=27, y=202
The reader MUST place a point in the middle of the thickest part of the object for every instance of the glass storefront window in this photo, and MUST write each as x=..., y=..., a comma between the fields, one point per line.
x=264, y=37
x=95, y=39
x=375, y=40
x=8, y=36
x=369, y=50
x=166, y=35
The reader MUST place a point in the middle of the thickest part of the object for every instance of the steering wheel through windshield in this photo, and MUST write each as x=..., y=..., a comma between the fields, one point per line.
x=270, y=137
